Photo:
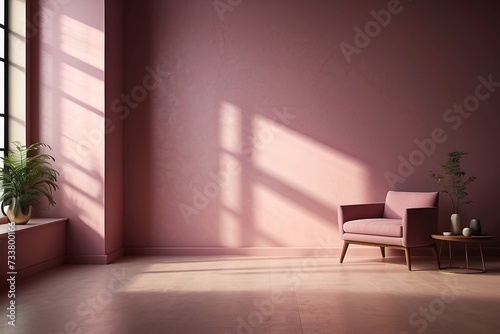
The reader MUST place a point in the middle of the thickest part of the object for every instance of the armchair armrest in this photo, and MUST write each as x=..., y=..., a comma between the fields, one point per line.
x=418, y=226
x=359, y=211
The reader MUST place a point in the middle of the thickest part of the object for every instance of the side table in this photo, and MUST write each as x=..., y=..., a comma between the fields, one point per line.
x=460, y=238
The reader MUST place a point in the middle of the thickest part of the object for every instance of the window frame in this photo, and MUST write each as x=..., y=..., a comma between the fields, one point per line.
x=4, y=60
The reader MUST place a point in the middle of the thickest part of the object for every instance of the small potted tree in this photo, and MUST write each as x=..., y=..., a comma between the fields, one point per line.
x=24, y=179
x=454, y=183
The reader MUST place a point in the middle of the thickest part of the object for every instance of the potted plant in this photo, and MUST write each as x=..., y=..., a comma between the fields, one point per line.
x=454, y=183
x=24, y=179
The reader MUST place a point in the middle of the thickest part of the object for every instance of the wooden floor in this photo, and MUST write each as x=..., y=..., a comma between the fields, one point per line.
x=236, y=294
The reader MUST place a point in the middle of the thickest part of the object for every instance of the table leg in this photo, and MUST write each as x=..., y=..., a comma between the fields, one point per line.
x=482, y=258
x=466, y=257
x=440, y=247
x=449, y=251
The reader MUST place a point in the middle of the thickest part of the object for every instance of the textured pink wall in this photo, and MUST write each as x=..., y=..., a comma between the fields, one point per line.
x=260, y=126
x=113, y=169
x=69, y=108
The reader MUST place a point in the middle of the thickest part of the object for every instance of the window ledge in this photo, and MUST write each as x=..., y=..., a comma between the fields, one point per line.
x=32, y=223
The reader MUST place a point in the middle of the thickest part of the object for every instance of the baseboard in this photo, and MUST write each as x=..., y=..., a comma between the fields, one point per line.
x=255, y=251
x=113, y=256
x=87, y=259
x=34, y=269
x=95, y=259
x=472, y=249
x=354, y=250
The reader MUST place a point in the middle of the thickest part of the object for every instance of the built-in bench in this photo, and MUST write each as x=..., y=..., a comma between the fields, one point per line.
x=39, y=246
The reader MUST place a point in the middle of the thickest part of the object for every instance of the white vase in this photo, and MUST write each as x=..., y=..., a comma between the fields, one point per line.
x=456, y=224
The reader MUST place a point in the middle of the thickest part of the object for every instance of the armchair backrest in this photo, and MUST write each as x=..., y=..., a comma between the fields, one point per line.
x=397, y=202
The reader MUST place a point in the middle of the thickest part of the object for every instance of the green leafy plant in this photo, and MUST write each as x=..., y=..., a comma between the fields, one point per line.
x=453, y=181
x=26, y=177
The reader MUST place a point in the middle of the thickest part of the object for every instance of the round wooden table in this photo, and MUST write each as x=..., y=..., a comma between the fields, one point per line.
x=460, y=238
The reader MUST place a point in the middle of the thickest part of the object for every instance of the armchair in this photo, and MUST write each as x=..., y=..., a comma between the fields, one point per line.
x=405, y=220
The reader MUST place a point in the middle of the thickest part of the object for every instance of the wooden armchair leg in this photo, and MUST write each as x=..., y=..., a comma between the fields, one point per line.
x=382, y=250
x=408, y=259
x=344, y=250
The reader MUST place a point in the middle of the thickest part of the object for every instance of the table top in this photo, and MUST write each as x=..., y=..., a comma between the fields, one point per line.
x=462, y=238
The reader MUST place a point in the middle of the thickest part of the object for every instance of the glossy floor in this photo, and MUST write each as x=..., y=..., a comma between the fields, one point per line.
x=237, y=294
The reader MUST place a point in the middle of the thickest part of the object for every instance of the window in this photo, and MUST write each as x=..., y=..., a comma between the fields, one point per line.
x=3, y=77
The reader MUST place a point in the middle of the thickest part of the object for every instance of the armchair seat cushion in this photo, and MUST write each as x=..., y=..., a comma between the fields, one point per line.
x=375, y=226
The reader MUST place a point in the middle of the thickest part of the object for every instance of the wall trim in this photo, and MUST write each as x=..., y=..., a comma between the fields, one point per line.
x=254, y=251
x=334, y=252
x=95, y=259
x=115, y=255
x=86, y=259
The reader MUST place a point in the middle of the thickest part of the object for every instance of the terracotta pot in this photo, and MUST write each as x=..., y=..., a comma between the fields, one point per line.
x=20, y=219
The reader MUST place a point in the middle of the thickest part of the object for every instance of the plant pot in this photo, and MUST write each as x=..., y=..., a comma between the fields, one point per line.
x=456, y=224
x=21, y=218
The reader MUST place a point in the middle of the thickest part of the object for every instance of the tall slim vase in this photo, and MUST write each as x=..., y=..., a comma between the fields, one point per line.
x=456, y=224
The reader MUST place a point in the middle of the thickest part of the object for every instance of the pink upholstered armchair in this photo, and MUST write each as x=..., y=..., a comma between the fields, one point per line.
x=405, y=220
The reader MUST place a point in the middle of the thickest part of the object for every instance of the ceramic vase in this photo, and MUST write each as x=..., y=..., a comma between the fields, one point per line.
x=456, y=224
x=475, y=226
x=467, y=232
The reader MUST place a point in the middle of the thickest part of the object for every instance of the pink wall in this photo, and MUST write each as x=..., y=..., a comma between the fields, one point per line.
x=241, y=126
x=255, y=126
x=113, y=170
x=75, y=67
